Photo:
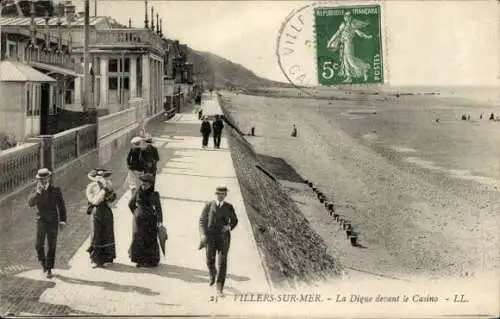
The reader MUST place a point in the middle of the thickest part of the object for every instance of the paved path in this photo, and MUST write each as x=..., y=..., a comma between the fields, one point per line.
x=180, y=284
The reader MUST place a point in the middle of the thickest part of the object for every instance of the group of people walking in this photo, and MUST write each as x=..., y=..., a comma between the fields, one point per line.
x=215, y=128
x=144, y=205
x=217, y=220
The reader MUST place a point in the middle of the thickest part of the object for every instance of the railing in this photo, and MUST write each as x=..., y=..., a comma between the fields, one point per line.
x=70, y=144
x=18, y=165
x=126, y=38
x=116, y=121
x=49, y=57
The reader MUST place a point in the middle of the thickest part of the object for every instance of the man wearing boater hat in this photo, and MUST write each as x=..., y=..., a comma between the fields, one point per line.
x=217, y=221
x=51, y=216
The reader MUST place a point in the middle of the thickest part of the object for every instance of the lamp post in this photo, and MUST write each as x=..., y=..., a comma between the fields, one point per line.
x=86, y=75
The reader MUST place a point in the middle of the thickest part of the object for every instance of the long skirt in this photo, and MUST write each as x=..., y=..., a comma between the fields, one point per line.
x=102, y=247
x=144, y=249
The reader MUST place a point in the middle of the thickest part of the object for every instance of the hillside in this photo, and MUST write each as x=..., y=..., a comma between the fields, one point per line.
x=221, y=72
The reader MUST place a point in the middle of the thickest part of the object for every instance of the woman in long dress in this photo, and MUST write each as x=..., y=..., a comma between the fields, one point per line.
x=342, y=41
x=99, y=195
x=145, y=205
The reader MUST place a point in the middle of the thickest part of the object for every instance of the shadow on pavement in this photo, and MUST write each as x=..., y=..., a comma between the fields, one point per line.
x=170, y=271
x=108, y=285
x=22, y=295
x=184, y=199
x=195, y=175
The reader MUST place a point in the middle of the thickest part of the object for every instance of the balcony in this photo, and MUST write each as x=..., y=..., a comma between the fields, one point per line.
x=37, y=55
x=126, y=38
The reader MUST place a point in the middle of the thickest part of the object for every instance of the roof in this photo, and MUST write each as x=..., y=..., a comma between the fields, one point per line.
x=78, y=21
x=11, y=71
x=53, y=68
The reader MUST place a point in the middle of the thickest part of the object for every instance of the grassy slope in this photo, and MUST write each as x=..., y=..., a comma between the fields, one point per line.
x=220, y=72
x=291, y=250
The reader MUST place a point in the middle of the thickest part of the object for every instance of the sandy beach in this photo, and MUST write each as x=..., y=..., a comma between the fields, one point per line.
x=423, y=195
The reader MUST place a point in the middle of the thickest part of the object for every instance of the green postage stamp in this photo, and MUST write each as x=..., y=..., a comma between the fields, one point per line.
x=349, y=45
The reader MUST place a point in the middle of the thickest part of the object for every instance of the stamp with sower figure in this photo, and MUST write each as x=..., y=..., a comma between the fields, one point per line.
x=348, y=45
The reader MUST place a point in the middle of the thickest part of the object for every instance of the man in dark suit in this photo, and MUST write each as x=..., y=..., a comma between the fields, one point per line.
x=205, y=131
x=150, y=157
x=51, y=216
x=217, y=221
x=217, y=126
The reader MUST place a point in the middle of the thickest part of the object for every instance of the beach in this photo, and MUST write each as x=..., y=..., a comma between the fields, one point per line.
x=419, y=185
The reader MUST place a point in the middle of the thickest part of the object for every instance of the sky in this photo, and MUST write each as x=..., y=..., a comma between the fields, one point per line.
x=426, y=42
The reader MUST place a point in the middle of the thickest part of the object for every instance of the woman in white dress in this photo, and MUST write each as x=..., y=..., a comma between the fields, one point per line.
x=100, y=194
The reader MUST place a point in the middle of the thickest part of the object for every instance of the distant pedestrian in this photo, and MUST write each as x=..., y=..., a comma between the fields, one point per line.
x=200, y=114
x=51, y=217
x=252, y=131
x=217, y=220
x=217, y=127
x=294, y=131
x=100, y=194
x=150, y=157
x=205, y=131
x=148, y=218
x=135, y=163
x=492, y=117
x=481, y=116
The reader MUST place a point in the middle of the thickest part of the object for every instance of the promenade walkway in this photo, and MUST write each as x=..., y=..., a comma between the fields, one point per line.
x=187, y=178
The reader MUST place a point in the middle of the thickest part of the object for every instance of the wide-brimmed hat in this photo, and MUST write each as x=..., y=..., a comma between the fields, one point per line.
x=147, y=178
x=136, y=140
x=221, y=190
x=99, y=172
x=43, y=173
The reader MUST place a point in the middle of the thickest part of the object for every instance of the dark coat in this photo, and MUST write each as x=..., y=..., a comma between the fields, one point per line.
x=206, y=129
x=150, y=157
x=218, y=125
x=50, y=205
x=134, y=160
x=214, y=218
x=146, y=203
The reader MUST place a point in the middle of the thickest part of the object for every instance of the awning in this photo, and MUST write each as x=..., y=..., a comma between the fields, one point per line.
x=12, y=71
x=53, y=68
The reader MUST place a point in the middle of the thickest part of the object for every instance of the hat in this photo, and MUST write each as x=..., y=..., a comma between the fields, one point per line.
x=136, y=140
x=147, y=178
x=221, y=190
x=43, y=173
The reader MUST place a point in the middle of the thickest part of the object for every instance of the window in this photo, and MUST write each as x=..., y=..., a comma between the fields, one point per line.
x=113, y=65
x=28, y=100
x=113, y=83
x=127, y=65
x=11, y=49
x=139, y=77
x=36, y=103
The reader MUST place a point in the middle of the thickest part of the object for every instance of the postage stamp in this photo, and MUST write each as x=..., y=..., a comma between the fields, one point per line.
x=349, y=45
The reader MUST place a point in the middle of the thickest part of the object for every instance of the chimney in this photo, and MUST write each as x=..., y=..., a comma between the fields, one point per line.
x=69, y=11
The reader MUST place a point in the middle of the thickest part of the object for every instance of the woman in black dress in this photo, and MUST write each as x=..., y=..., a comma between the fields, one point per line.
x=148, y=217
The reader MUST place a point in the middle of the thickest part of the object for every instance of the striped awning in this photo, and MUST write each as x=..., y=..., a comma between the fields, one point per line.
x=12, y=71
